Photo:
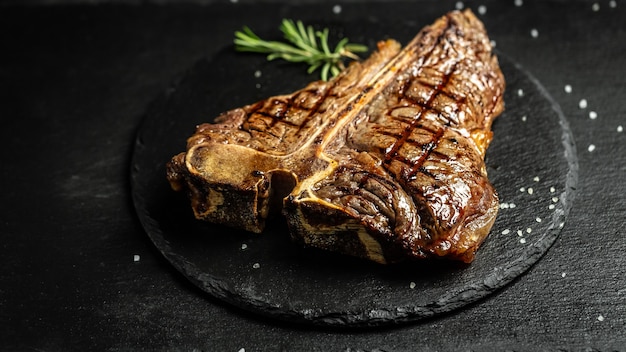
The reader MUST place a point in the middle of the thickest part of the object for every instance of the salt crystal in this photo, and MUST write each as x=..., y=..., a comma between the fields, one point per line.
x=561, y=225
x=337, y=9
x=612, y=4
x=536, y=179
x=551, y=206
x=506, y=231
x=520, y=233
x=593, y=115
x=242, y=350
x=493, y=43
x=512, y=205
x=552, y=189
x=620, y=128
x=563, y=274
x=136, y=257
x=244, y=246
x=257, y=73
x=234, y=1
x=519, y=3
x=459, y=5
x=595, y=7
x=529, y=230
x=538, y=219
x=522, y=189
x=600, y=318
x=591, y=147
x=520, y=92
x=522, y=240
x=256, y=265
x=530, y=190
x=524, y=118
x=482, y=9
x=555, y=199
x=258, y=85
x=534, y=33
x=412, y=285
x=568, y=88
x=582, y=103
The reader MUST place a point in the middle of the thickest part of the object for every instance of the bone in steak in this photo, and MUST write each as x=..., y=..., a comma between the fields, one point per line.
x=384, y=162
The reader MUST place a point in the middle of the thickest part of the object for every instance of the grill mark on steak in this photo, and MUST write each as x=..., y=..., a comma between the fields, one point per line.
x=387, y=159
x=392, y=151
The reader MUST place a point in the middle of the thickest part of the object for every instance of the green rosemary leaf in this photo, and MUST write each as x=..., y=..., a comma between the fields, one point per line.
x=303, y=44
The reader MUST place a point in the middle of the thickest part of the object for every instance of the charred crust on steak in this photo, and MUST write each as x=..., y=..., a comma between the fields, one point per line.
x=384, y=162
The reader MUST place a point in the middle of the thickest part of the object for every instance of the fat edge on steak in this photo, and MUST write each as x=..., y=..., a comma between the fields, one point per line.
x=383, y=162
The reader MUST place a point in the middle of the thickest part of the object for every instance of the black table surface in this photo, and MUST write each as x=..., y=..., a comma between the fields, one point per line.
x=80, y=273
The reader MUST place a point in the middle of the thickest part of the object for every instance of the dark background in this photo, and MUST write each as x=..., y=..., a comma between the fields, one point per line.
x=77, y=79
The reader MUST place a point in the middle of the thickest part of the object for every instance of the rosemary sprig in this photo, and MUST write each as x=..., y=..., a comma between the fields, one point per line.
x=304, y=44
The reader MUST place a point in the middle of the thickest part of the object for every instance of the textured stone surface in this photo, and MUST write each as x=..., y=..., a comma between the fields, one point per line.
x=273, y=277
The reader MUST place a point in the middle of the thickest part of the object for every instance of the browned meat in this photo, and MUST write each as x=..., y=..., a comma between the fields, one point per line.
x=384, y=162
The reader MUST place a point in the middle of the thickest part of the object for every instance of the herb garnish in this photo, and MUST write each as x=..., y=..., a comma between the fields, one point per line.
x=305, y=44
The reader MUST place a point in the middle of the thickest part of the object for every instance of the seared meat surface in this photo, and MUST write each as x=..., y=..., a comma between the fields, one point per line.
x=384, y=162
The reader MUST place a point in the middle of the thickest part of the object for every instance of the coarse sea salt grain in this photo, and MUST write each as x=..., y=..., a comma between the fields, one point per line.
x=524, y=118
x=522, y=189
x=482, y=9
x=522, y=240
x=244, y=246
x=459, y=5
x=593, y=115
x=506, y=231
x=620, y=128
x=256, y=265
x=600, y=318
x=595, y=7
x=412, y=285
x=563, y=274
x=555, y=199
x=242, y=350
x=530, y=190
x=257, y=73
x=551, y=206
x=534, y=33
x=591, y=147
x=529, y=230
x=536, y=178
x=520, y=92
x=612, y=4
x=568, y=88
x=136, y=258
x=538, y=219
x=520, y=233
x=337, y=9
x=582, y=103
x=519, y=3
x=552, y=189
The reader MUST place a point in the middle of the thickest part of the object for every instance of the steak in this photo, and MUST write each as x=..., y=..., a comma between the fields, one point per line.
x=383, y=162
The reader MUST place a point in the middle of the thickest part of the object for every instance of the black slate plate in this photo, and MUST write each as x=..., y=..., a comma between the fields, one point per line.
x=531, y=162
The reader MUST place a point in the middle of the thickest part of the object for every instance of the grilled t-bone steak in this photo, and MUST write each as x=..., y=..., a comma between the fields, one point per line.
x=384, y=162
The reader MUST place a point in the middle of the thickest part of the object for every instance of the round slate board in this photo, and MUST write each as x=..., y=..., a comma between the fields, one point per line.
x=531, y=162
